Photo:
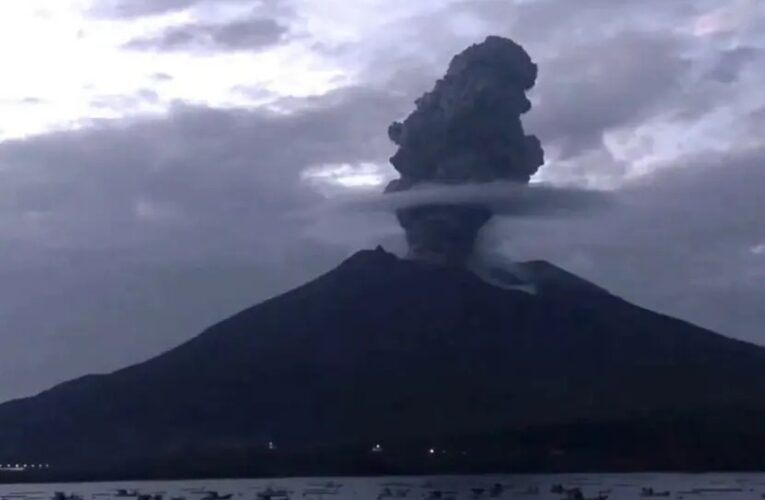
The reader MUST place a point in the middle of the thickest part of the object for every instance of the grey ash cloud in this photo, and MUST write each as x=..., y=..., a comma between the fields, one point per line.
x=467, y=129
x=246, y=34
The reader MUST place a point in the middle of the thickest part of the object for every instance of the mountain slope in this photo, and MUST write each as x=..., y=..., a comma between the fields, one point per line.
x=383, y=349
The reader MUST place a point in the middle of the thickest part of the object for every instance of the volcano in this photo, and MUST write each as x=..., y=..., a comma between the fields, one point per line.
x=410, y=355
x=425, y=364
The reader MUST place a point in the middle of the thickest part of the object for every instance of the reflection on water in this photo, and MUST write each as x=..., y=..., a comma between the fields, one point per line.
x=557, y=487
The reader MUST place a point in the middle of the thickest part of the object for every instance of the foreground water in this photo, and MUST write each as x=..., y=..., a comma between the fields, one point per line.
x=612, y=486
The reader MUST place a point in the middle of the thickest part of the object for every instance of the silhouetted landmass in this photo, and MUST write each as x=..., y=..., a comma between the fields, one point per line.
x=412, y=356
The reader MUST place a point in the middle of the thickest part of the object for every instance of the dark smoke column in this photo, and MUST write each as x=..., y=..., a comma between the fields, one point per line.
x=466, y=130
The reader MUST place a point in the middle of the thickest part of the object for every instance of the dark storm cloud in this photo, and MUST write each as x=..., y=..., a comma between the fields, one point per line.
x=247, y=34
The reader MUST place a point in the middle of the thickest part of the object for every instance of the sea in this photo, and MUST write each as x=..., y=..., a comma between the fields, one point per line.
x=558, y=487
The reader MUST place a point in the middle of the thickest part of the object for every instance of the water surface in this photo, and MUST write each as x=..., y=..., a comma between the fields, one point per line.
x=615, y=486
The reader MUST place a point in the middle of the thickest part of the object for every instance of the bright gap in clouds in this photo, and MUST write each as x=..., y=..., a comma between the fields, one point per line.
x=63, y=68
x=331, y=178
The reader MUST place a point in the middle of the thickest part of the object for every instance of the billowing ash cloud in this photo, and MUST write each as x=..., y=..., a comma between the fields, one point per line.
x=466, y=130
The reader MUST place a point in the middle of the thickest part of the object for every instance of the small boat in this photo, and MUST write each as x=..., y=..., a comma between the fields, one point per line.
x=717, y=490
x=122, y=492
x=385, y=493
x=214, y=495
x=329, y=485
x=272, y=494
x=60, y=495
x=152, y=496
x=497, y=490
x=574, y=494
x=477, y=492
x=651, y=493
x=319, y=492
x=389, y=492
x=441, y=495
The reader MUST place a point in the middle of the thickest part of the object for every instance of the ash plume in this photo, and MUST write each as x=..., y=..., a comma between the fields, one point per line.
x=466, y=130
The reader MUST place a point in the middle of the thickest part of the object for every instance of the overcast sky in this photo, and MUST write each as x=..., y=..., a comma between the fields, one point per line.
x=160, y=159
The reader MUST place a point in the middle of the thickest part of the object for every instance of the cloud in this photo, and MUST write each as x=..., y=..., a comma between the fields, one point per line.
x=235, y=165
x=247, y=34
x=730, y=18
x=733, y=62
x=566, y=22
x=161, y=77
x=140, y=8
x=506, y=199
x=126, y=104
x=588, y=89
x=32, y=101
